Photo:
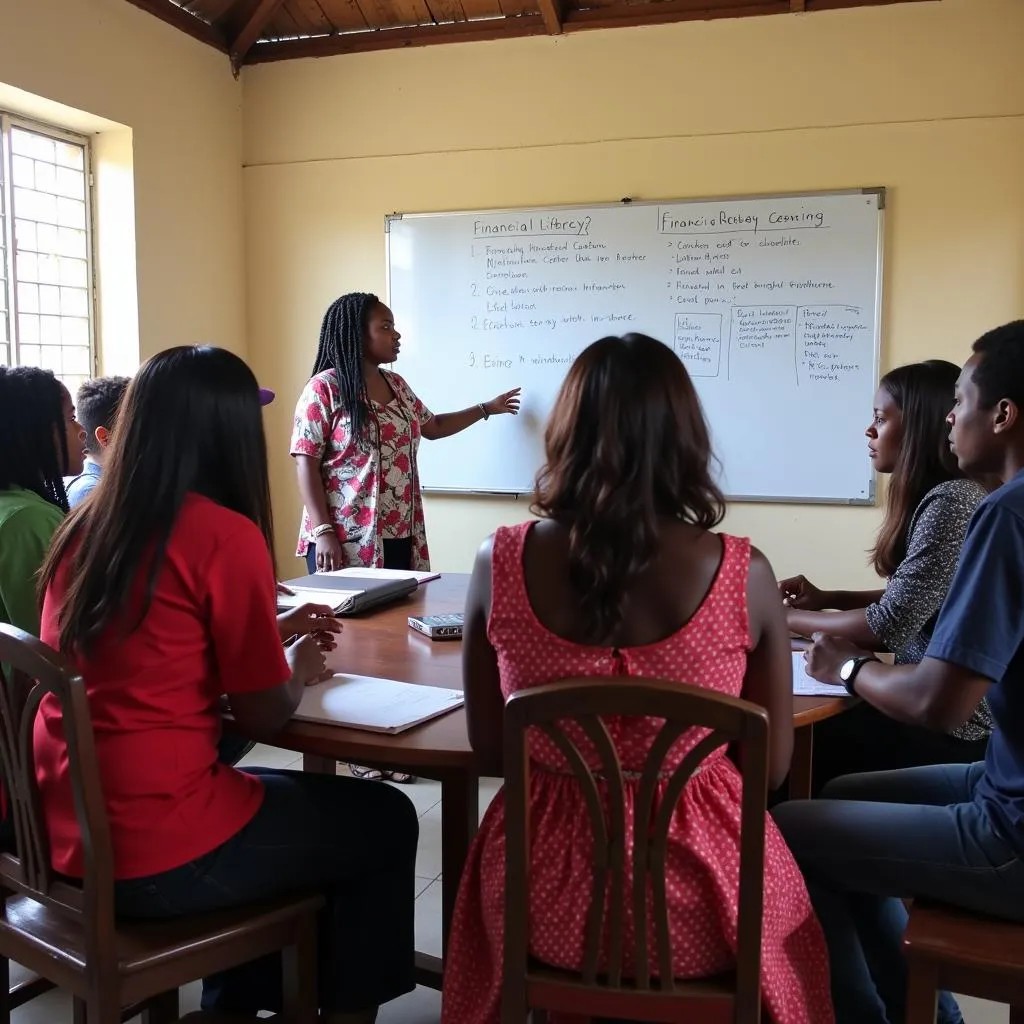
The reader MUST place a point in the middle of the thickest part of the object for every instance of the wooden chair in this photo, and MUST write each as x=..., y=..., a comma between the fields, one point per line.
x=953, y=949
x=604, y=992
x=64, y=930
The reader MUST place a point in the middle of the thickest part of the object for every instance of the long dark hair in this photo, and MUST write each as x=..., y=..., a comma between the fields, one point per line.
x=33, y=434
x=341, y=350
x=626, y=444
x=923, y=392
x=190, y=421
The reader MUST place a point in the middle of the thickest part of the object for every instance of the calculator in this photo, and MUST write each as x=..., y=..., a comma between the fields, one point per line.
x=438, y=627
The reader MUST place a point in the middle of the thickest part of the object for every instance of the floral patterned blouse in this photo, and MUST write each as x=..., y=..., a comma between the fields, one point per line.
x=353, y=470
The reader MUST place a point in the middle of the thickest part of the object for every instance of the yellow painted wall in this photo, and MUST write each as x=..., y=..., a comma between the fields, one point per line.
x=926, y=99
x=183, y=107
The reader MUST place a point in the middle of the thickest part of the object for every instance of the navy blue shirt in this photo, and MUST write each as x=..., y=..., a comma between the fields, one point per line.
x=981, y=628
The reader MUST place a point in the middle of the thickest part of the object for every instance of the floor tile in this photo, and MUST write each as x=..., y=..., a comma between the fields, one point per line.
x=488, y=789
x=428, y=852
x=423, y=1006
x=980, y=1011
x=428, y=920
x=424, y=793
x=422, y=883
x=264, y=756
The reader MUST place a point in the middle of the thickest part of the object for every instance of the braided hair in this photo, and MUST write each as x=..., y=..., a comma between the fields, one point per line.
x=33, y=434
x=341, y=350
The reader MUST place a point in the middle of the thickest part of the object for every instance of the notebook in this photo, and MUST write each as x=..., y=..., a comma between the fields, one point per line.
x=376, y=705
x=385, y=574
x=347, y=595
x=805, y=686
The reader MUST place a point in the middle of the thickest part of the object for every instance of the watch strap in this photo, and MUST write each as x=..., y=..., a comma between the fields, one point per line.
x=858, y=664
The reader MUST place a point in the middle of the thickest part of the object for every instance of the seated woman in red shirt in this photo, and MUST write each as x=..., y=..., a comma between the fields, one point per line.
x=163, y=596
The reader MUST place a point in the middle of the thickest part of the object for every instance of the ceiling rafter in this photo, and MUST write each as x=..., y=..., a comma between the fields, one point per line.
x=172, y=14
x=252, y=29
x=398, y=38
x=551, y=12
x=256, y=31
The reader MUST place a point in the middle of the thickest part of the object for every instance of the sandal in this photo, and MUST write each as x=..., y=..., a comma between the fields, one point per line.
x=361, y=772
x=400, y=778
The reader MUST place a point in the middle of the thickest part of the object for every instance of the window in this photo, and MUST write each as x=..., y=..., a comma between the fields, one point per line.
x=46, y=294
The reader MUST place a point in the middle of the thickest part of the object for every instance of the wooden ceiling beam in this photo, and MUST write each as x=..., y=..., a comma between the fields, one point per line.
x=180, y=19
x=551, y=13
x=397, y=38
x=628, y=15
x=253, y=28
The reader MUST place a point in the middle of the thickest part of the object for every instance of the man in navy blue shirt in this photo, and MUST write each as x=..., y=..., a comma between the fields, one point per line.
x=953, y=833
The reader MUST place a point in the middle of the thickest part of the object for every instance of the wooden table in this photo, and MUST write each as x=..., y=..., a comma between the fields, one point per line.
x=381, y=644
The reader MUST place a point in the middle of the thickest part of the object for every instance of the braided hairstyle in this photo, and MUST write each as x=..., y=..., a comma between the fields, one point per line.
x=341, y=350
x=33, y=434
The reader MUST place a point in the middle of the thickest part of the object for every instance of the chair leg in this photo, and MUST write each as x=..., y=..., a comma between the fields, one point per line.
x=299, y=976
x=922, y=994
x=102, y=1007
x=161, y=1009
x=5, y=996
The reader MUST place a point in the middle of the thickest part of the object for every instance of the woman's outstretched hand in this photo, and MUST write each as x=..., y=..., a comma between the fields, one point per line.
x=508, y=402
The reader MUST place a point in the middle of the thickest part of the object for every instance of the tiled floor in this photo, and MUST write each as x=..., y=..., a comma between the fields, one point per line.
x=422, y=1006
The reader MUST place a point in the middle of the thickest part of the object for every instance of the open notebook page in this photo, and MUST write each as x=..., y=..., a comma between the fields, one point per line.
x=805, y=686
x=378, y=705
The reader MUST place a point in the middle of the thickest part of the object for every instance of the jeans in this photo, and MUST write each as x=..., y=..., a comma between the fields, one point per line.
x=356, y=842
x=877, y=838
x=397, y=555
x=839, y=747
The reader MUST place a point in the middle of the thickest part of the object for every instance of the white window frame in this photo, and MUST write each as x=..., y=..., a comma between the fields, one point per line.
x=9, y=264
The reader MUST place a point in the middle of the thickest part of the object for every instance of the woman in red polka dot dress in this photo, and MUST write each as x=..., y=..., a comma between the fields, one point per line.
x=623, y=575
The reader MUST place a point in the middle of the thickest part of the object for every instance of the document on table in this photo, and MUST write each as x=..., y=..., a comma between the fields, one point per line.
x=805, y=686
x=386, y=574
x=337, y=600
x=377, y=705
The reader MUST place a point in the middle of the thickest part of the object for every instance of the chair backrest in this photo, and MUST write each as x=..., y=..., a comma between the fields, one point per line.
x=29, y=670
x=586, y=702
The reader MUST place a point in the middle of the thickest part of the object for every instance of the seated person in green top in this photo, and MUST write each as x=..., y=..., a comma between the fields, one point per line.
x=40, y=444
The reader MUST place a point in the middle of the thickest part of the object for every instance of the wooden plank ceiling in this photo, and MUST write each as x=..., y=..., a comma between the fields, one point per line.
x=254, y=31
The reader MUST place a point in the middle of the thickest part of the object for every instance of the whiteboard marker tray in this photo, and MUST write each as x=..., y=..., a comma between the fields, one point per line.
x=376, y=705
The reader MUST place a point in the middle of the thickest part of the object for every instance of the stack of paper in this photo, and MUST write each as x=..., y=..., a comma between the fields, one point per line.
x=385, y=574
x=337, y=600
x=377, y=705
x=805, y=686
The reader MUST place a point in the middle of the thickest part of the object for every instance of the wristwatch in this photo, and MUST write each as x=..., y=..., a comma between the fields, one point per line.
x=850, y=668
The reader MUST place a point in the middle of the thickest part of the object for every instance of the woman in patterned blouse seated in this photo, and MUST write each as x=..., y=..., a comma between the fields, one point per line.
x=929, y=506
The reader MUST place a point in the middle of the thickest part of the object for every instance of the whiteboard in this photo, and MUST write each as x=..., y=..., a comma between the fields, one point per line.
x=772, y=303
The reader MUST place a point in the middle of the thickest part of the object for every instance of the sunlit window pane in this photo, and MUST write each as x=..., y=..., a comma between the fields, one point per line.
x=45, y=252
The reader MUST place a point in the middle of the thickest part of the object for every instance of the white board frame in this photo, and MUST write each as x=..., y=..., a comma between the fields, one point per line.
x=875, y=190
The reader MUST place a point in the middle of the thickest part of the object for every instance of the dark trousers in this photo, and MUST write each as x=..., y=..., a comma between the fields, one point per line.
x=397, y=555
x=356, y=842
x=865, y=740
x=873, y=840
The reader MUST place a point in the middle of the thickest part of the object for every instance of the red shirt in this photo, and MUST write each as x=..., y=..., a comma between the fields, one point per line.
x=154, y=699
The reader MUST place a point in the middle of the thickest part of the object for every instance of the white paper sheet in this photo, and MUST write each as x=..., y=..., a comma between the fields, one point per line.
x=805, y=686
x=377, y=705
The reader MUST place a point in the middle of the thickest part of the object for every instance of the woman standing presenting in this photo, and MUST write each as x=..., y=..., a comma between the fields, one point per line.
x=357, y=429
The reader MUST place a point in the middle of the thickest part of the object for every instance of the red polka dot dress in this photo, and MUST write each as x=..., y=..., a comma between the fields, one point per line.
x=702, y=863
